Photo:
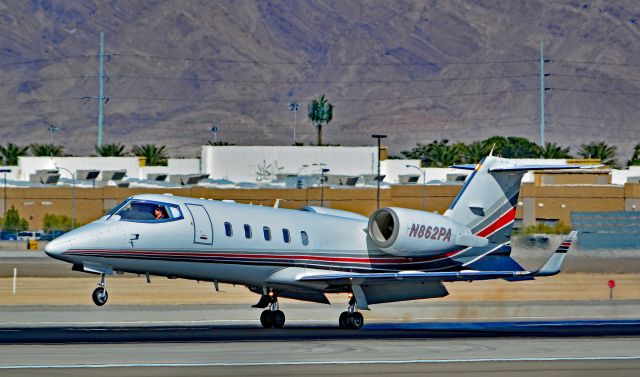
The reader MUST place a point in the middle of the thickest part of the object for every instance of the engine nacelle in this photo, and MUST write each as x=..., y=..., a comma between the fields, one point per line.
x=407, y=232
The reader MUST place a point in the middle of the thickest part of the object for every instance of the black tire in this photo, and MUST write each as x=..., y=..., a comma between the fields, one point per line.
x=266, y=319
x=357, y=320
x=343, y=320
x=100, y=296
x=278, y=319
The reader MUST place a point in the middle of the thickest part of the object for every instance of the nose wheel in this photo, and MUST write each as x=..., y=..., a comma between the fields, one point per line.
x=351, y=319
x=100, y=294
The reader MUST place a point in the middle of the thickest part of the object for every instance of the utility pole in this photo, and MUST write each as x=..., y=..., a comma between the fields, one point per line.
x=101, y=88
x=4, y=207
x=378, y=177
x=541, y=96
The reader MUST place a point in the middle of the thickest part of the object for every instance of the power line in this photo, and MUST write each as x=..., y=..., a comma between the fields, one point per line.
x=264, y=62
x=592, y=77
x=594, y=63
x=46, y=60
x=271, y=100
x=596, y=91
x=290, y=81
x=593, y=118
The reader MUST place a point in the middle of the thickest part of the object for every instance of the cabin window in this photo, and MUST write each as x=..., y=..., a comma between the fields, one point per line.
x=305, y=238
x=228, y=229
x=286, y=235
x=267, y=233
x=247, y=231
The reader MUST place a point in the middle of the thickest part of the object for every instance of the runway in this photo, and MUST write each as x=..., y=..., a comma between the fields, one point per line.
x=486, y=356
x=226, y=340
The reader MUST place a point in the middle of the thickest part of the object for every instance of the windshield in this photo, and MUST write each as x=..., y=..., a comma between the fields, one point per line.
x=143, y=210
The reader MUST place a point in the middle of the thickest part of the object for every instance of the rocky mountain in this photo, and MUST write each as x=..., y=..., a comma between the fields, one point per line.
x=415, y=70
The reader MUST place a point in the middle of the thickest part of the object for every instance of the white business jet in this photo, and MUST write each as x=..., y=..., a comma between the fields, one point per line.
x=396, y=254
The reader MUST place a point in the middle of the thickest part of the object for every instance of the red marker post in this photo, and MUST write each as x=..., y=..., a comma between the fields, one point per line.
x=612, y=284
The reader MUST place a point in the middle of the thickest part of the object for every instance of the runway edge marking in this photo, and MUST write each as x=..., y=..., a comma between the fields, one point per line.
x=345, y=362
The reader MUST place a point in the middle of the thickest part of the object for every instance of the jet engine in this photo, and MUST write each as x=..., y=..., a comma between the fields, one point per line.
x=405, y=232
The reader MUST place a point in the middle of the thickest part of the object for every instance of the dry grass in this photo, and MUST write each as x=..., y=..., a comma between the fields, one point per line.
x=135, y=291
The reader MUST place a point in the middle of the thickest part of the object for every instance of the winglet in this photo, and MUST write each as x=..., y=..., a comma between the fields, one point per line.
x=554, y=264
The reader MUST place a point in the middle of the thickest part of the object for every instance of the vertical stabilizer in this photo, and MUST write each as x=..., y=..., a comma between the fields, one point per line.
x=487, y=201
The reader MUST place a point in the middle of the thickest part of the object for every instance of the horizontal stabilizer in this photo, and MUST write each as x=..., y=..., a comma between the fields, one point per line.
x=540, y=167
x=554, y=264
x=464, y=166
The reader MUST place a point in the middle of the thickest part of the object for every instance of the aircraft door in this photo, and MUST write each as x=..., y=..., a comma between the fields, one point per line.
x=202, y=227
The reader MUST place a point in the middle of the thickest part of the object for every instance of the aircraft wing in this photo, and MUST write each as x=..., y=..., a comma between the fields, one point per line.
x=413, y=276
x=551, y=267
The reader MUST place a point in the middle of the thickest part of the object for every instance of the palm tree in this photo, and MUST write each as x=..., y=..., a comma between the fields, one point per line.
x=606, y=153
x=513, y=147
x=438, y=153
x=110, y=150
x=11, y=152
x=553, y=150
x=320, y=111
x=635, y=159
x=154, y=155
x=443, y=155
x=476, y=151
x=47, y=150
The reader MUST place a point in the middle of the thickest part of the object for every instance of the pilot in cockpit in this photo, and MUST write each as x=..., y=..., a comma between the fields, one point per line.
x=158, y=213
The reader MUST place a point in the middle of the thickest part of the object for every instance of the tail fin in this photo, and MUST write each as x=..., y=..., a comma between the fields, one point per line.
x=487, y=201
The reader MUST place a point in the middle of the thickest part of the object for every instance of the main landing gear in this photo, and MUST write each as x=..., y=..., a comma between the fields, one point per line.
x=351, y=319
x=100, y=295
x=273, y=316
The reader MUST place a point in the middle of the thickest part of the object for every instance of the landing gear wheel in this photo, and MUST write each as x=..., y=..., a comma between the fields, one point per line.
x=100, y=296
x=277, y=319
x=357, y=320
x=343, y=320
x=266, y=319
x=351, y=320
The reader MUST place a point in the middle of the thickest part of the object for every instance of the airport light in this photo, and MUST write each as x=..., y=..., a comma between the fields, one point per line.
x=424, y=186
x=294, y=106
x=215, y=130
x=5, y=171
x=73, y=197
x=376, y=136
x=52, y=129
x=324, y=170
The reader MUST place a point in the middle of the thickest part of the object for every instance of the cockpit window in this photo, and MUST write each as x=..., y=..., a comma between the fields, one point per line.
x=142, y=210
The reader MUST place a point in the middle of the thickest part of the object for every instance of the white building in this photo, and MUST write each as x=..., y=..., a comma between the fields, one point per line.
x=263, y=163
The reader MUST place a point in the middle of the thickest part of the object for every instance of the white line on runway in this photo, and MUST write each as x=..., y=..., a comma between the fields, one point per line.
x=345, y=362
x=318, y=321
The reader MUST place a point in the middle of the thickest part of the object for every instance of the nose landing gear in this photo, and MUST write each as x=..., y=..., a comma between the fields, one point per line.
x=100, y=294
x=272, y=317
x=351, y=319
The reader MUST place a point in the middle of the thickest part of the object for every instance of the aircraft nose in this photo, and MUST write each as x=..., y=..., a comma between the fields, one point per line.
x=57, y=246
